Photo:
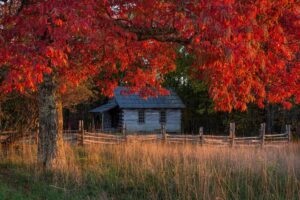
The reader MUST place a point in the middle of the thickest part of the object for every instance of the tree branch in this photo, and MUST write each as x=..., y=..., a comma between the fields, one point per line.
x=163, y=34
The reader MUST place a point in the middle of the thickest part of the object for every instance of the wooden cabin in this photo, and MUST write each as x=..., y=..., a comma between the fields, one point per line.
x=139, y=114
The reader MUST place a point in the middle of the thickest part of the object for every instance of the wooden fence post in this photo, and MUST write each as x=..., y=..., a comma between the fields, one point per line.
x=163, y=132
x=232, y=133
x=262, y=133
x=201, y=136
x=124, y=132
x=288, y=132
x=81, y=132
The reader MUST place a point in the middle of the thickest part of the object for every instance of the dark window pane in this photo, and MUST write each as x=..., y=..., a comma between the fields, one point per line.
x=141, y=116
x=163, y=117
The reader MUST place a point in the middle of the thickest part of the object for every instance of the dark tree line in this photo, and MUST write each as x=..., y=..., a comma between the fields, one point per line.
x=200, y=108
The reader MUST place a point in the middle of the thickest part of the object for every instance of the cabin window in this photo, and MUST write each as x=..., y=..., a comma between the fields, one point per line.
x=141, y=116
x=163, y=117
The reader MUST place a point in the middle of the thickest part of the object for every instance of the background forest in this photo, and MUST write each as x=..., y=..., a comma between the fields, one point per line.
x=21, y=112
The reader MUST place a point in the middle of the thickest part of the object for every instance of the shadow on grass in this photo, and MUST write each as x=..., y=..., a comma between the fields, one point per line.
x=17, y=183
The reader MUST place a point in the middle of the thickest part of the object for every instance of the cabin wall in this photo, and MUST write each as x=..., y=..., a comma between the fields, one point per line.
x=152, y=124
x=173, y=121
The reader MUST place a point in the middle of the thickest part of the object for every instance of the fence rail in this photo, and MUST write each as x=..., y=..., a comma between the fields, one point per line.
x=83, y=137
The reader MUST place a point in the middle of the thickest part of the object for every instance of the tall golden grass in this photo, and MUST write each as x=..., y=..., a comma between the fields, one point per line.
x=156, y=171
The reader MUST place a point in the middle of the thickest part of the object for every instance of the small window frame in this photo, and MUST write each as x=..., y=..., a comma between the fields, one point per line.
x=141, y=116
x=163, y=116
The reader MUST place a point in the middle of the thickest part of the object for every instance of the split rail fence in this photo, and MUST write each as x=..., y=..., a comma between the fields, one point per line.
x=83, y=137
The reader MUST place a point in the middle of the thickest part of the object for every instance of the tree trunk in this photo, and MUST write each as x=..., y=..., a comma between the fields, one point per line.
x=61, y=157
x=50, y=142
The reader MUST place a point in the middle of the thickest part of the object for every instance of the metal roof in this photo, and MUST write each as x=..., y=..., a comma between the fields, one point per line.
x=133, y=101
x=108, y=106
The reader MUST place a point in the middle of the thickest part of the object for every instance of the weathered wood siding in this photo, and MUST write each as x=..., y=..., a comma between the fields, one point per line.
x=152, y=117
x=173, y=121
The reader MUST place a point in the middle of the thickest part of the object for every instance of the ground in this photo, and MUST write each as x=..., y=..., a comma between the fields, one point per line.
x=155, y=171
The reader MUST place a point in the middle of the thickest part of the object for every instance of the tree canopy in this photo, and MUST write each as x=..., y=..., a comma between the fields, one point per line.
x=245, y=50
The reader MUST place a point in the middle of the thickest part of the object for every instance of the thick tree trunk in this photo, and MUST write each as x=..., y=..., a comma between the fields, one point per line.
x=50, y=141
x=61, y=157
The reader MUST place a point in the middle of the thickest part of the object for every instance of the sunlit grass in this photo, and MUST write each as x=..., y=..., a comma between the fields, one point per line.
x=156, y=171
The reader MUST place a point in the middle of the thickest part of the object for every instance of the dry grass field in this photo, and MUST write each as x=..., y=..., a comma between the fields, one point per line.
x=155, y=171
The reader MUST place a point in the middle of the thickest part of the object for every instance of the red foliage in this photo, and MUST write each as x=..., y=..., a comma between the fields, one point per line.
x=245, y=49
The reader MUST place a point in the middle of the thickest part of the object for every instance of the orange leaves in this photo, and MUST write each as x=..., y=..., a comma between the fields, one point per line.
x=50, y=52
x=58, y=57
x=48, y=70
x=197, y=40
x=58, y=22
x=261, y=43
x=287, y=105
x=252, y=13
x=244, y=50
x=39, y=77
x=63, y=88
x=229, y=2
